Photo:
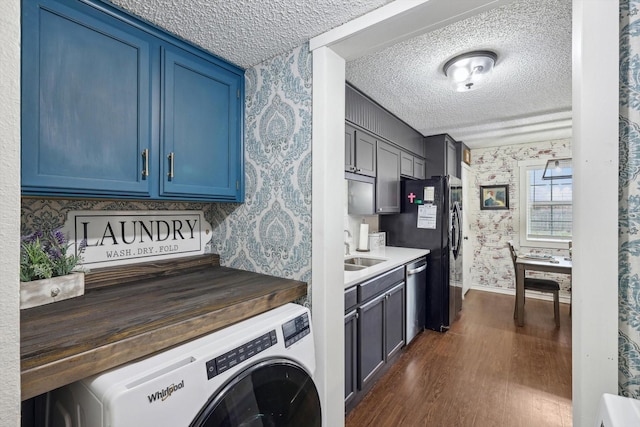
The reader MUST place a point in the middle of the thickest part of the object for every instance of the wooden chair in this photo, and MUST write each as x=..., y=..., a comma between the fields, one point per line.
x=540, y=285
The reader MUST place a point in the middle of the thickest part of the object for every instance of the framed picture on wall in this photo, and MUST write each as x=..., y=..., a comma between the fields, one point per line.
x=466, y=156
x=494, y=197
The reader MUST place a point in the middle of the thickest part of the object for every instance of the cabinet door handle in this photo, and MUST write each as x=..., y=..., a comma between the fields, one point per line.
x=357, y=315
x=170, y=157
x=145, y=168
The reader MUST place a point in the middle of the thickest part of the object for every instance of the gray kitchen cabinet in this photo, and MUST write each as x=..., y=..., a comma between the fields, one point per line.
x=406, y=164
x=388, y=179
x=349, y=148
x=366, y=113
x=350, y=356
x=441, y=156
x=411, y=166
x=365, y=154
x=374, y=331
x=350, y=299
x=418, y=168
x=372, y=354
x=359, y=151
x=394, y=320
x=453, y=167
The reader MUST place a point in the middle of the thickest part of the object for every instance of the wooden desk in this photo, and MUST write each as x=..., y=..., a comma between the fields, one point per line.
x=523, y=264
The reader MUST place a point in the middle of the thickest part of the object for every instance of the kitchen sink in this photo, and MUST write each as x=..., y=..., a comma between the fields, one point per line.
x=352, y=267
x=362, y=261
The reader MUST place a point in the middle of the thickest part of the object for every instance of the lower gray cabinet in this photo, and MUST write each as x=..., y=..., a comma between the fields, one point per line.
x=372, y=354
x=374, y=331
x=394, y=312
x=350, y=356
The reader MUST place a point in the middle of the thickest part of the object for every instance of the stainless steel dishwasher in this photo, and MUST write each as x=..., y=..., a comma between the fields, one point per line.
x=416, y=280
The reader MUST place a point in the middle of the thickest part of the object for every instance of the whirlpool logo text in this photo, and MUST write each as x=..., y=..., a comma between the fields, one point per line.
x=163, y=395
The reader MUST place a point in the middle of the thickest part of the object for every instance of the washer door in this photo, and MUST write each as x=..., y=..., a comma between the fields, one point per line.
x=273, y=393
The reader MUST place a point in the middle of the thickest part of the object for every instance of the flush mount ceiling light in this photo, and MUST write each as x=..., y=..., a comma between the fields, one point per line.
x=557, y=169
x=466, y=70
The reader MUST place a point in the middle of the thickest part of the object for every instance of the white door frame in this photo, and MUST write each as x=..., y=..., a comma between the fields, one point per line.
x=595, y=150
x=467, y=241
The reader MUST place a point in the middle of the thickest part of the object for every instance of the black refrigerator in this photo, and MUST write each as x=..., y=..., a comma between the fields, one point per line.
x=431, y=218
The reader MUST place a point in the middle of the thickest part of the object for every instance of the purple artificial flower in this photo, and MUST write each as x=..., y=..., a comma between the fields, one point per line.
x=32, y=238
x=55, y=253
x=58, y=237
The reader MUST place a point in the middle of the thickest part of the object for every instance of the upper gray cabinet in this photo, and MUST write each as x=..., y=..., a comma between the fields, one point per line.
x=418, y=168
x=411, y=166
x=441, y=156
x=366, y=113
x=359, y=151
x=379, y=144
x=365, y=154
x=349, y=148
x=406, y=164
x=388, y=180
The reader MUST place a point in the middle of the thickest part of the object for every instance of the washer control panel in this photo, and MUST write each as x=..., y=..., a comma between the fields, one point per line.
x=294, y=330
x=241, y=353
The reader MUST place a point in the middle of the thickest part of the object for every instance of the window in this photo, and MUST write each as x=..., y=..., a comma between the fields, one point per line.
x=547, y=209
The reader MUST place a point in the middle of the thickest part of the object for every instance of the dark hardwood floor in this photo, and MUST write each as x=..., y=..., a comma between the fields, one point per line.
x=484, y=372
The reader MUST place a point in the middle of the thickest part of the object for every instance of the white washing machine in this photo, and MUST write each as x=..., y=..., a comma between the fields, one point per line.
x=617, y=411
x=258, y=372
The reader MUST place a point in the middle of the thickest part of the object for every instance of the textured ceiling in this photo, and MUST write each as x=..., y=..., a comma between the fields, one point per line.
x=247, y=32
x=528, y=91
x=527, y=97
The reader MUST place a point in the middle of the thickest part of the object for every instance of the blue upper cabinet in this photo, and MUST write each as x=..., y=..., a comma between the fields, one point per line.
x=85, y=101
x=113, y=107
x=200, y=142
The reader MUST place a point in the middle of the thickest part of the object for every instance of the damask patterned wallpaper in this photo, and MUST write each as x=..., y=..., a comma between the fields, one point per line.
x=629, y=202
x=271, y=232
x=491, y=229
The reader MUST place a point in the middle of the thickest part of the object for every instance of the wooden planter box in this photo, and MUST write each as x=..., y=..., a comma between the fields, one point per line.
x=45, y=291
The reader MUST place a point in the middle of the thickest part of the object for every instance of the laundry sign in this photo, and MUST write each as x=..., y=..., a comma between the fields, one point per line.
x=108, y=238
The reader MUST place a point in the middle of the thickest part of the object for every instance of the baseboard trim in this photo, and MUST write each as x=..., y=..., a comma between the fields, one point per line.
x=564, y=299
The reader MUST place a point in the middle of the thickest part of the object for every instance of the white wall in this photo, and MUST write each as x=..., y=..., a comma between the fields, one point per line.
x=10, y=212
x=491, y=229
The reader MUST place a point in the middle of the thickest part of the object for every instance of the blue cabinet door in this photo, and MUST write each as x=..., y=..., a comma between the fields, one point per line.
x=85, y=102
x=201, y=144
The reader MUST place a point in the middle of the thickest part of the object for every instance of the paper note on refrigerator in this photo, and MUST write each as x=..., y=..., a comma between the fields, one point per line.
x=427, y=216
x=429, y=194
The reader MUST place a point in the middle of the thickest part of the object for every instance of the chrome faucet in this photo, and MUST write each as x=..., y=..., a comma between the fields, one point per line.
x=346, y=244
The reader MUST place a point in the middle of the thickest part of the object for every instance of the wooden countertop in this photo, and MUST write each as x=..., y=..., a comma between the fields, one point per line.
x=140, y=315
